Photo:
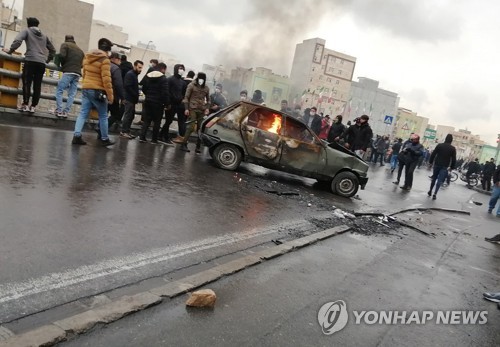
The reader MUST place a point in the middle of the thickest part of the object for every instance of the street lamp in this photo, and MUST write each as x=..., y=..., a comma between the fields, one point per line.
x=147, y=46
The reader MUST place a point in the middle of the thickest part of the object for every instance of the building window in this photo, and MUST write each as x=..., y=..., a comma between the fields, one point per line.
x=328, y=79
x=337, y=82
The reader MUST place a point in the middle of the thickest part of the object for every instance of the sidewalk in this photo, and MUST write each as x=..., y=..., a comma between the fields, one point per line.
x=276, y=303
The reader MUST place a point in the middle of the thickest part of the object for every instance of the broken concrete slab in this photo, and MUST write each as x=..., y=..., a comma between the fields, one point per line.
x=79, y=323
x=172, y=289
x=125, y=305
x=237, y=265
x=47, y=335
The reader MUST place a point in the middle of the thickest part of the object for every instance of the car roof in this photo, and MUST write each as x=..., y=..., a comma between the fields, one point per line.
x=272, y=110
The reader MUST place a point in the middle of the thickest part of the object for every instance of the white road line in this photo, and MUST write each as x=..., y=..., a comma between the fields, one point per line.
x=14, y=291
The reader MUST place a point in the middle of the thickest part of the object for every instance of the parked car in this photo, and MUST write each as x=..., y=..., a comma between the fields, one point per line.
x=253, y=133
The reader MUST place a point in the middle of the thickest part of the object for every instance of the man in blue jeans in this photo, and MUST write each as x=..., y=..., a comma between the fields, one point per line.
x=97, y=91
x=71, y=57
x=396, y=148
x=444, y=158
x=495, y=195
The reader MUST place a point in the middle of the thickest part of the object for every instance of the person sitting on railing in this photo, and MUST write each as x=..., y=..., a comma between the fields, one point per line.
x=39, y=50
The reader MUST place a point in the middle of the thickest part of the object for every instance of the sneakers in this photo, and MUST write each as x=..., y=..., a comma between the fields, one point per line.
x=396, y=182
x=155, y=142
x=490, y=210
x=142, y=140
x=197, y=150
x=31, y=109
x=23, y=108
x=405, y=188
x=167, y=142
x=77, y=140
x=429, y=193
x=495, y=239
x=107, y=142
x=64, y=115
x=139, y=122
x=434, y=197
x=185, y=148
x=128, y=136
x=495, y=297
x=178, y=139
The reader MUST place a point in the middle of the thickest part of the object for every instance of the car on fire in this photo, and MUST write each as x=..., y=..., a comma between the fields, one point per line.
x=253, y=133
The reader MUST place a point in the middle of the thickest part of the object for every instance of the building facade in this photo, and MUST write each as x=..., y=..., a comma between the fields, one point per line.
x=380, y=105
x=321, y=77
x=60, y=18
x=114, y=33
x=408, y=122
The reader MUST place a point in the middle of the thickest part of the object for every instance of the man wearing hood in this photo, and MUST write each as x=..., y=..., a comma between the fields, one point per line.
x=175, y=89
x=444, y=158
x=71, y=57
x=358, y=136
x=257, y=97
x=336, y=130
x=97, y=91
x=155, y=88
x=39, y=51
x=195, y=108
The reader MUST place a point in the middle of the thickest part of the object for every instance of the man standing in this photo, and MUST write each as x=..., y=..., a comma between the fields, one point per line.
x=408, y=158
x=97, y=91
x=125, y=65
x=118, y=92
x=396, y=147
x=176, y=87
x=336, y=130
x=155, y=88
x=195, y=107
x=71, y=57
x=381, y=148
x=39, y=50
x=131, y=86
x=313, y=120
x=285, y=108
x=444, y=158
x=488, y=171
x=359, y=136
x=217, y=100
x=496, y=192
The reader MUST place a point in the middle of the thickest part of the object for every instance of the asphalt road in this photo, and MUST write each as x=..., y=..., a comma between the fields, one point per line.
x=78, y=221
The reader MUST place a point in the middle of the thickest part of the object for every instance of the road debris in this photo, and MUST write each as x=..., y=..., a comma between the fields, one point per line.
x=202, y=298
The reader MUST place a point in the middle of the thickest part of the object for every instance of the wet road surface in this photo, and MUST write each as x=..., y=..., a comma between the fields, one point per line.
x=76, y=221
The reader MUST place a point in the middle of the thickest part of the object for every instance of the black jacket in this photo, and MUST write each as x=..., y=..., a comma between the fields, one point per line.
x=410, y=152
x=176, y=86
x=359, y=136
x=316, y=124
x=489, y=168
x=336, y=130
x=496, y=175
x=473, y=167
x=396, y=148
x=117, y=80
x=131, y=85
x=155, y=87
x=444, y=155
x=126, y=66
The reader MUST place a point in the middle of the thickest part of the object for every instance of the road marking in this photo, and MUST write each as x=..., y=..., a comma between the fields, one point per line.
x=14, y=291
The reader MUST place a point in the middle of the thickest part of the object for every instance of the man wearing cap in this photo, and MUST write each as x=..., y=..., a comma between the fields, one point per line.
x=71, y=57
x=217, y=100
x=39, y=51
x=97, y=91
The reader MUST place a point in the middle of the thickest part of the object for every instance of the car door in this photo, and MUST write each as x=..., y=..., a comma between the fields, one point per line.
x=261, y=133
x=302, y=152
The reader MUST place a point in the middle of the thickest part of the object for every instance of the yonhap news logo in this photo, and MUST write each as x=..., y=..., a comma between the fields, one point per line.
x=333, y=316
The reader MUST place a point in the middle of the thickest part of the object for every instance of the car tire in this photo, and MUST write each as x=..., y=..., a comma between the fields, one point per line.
x=227, y=156
x=345, y=184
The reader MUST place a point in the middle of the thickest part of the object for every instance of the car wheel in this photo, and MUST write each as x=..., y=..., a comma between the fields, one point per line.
x=345, y=184
x=227, y=156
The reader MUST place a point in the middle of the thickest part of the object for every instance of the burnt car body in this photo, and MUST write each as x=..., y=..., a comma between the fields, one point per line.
x=253, y=133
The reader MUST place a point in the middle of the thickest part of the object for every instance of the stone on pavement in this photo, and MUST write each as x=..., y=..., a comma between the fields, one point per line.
x=202, y=298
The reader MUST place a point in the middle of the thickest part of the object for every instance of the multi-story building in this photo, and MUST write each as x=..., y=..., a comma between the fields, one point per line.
x=60, y=18
x=408, y=122
x=442, y=131
x=10, y=25
x=275, y=88
x=321, y=77
x=380, y=105
x=114, y=33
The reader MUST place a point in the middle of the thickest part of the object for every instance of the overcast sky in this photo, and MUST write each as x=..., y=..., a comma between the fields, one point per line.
x=441, y=56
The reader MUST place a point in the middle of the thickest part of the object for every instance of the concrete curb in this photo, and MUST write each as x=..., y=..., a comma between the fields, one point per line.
x=72, y=326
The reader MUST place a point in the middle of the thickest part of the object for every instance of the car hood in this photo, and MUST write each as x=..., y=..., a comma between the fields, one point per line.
x=344, y=157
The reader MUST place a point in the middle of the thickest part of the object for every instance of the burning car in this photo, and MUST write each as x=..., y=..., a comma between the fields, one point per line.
x=253, y=133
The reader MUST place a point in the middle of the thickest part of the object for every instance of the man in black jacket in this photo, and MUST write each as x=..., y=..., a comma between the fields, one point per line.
x=176, y=87
x=444, y=158
x=495, y=195
x=359, y=136
x=155, y=88
x=396, y=147
x=118, y=92
x=131, y=86
x=488, y=171
x=473, y=168
x=125, y=65
x=336, y=130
